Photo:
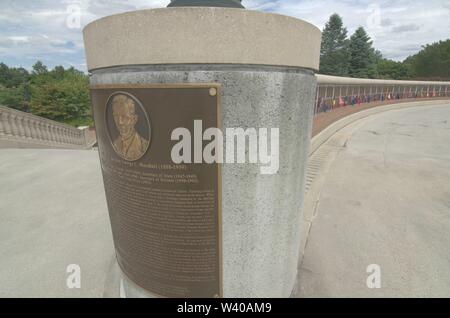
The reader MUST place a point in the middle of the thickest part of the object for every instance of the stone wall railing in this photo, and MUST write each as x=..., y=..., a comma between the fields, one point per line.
x=22, y=130
x=335, y=92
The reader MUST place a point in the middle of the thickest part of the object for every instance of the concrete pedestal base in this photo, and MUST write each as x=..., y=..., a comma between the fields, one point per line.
x=265, y=65
x=260, y=213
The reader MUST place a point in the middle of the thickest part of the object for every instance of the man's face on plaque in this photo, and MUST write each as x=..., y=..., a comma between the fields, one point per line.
x=124, y=114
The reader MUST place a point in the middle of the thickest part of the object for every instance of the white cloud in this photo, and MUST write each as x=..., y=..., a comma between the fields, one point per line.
x=31, y=30
x=404, y=25
x=18, y=39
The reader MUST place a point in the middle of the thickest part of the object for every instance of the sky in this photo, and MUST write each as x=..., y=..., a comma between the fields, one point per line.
x=51, y=30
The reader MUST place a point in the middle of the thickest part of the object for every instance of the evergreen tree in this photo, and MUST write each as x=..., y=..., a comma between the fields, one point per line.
x=334, y=55
x=362, y=55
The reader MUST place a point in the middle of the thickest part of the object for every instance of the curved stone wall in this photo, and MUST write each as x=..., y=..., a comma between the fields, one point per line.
x=23, y=130
x=335, y=92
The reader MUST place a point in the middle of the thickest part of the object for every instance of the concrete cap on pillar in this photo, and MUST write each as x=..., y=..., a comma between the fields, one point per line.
x=201, y=35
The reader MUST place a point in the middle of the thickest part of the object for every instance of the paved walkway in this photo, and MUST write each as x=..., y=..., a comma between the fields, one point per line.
x=52, y=213
x=383, y=198
x=324, y=119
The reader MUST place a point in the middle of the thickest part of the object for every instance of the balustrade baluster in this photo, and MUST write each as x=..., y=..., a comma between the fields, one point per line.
x=47, y=132
x=64, y=135
x=52, y=133
x=33, y=134
x=70, y=136
x=20, y=126
x=59, y=134
x=13, y=123
x=7, y=125
x=2, y=126
x=26, y=126
x=40, y=131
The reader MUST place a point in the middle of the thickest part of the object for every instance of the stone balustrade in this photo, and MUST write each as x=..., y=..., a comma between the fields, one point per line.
x=19, y=129
x=334, y=92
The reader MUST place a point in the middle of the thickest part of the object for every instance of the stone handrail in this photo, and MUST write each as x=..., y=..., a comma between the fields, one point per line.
x=334, y=91
x=19, y=129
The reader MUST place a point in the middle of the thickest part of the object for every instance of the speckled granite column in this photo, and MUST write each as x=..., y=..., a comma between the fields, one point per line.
x=260, y=213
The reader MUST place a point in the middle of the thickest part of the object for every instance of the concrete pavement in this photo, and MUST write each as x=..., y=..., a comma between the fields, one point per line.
x=378, y=191
x=52, y=214
x=383, y=198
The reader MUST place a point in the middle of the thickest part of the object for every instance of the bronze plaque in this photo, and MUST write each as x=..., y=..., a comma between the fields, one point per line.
x=165, y=217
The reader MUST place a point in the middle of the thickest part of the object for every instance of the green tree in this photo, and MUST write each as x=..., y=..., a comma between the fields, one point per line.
x=334, y=54
x=432, y=62
x=4, y=69
x=13, y=97
x=362, y=55
x=389, y=69
x=14, y=87
x=13, y=77
x=61, y=95
x=58, y=72
x=39, y=68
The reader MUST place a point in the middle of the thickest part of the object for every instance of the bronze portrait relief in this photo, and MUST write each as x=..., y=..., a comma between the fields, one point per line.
x=151, y=200
x=128, y=126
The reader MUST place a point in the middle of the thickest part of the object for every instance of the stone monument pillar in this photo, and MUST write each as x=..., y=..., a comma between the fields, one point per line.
x=196, y=228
